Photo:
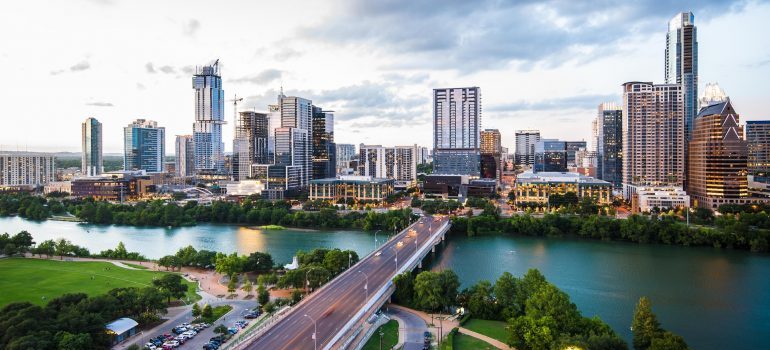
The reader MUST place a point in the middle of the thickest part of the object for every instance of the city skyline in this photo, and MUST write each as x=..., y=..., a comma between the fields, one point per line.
x=590, y=62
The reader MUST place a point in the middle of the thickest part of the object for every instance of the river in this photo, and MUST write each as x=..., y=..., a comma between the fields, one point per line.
x=716, y=299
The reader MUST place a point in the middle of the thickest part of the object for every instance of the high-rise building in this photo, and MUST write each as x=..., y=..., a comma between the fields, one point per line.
x=572, y=147
x=296, y=114
x=398, y=163
x=324, y=150
x=682, y=64
x=184, y=162
x=609, y=144
x=718, y=155
x=758, y=139
x=209, y=118
x=91, y=159
x=653, y=136
x=345, y=154
x=525, y=147
x=423, y=155
x=250, y=143
x=491, y=163
x=144, y=146
x=26, y=169
x=456, y=126
x=550, y=156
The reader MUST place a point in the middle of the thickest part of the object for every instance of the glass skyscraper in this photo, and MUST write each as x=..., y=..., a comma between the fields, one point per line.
x=682, y=64
x=456, y=128
x=209, y=117
x=144, y=146
x=609, y=144
x=91, y=158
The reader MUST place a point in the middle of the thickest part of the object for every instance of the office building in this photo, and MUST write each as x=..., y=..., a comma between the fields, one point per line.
x=324, y=150
x=718, y=154
x=758, y=139
x=572, y=147
x=423, y=155
x=456, y=127
x=209, y=118
x=647, y=199
x=351, y=189
x=26, y=170
x=345, y=154
x=293, y=140
x=184, y=160
x=279, y=181
x=553, y=155
x=398, y=163
x=609, y=144
x=114, y=187
x=682, y=64
x=91, y=161
x=653, y=136
x=533, y=190
x=250, y=143
x=491, y=162
x=526, y=140
x=144, y=145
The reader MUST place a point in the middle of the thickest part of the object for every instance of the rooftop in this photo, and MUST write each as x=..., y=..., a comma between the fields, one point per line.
x=361, y=180
x=549, y=177
x=121, y=325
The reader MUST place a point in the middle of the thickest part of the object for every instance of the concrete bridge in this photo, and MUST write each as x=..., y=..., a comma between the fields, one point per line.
x=331, y=317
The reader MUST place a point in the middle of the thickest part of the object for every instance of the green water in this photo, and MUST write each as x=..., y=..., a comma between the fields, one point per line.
x=715, y=299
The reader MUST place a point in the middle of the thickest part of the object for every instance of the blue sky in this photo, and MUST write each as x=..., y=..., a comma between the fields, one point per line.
x=540, y=64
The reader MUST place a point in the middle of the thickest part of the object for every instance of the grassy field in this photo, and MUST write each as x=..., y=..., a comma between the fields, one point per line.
x=492, y=329
x=38, y=281
x=389, y=340
x=216, y=313
x=136, y=266
x=466, y=342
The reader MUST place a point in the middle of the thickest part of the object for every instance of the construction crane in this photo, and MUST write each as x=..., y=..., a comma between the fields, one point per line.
x=235, y=101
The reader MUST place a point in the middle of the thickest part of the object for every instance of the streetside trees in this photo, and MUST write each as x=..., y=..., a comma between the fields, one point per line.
x=172, y=285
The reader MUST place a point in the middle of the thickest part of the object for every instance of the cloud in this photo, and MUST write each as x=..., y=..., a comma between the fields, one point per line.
x=187, y=70
x=489, y=34
x=140, y=86
x=100, y=104
x=262, y=77
x=191, y=27
x=559, y=103
x=167, y=70
x=80, y=66
x=150, y=68
x=287, y=53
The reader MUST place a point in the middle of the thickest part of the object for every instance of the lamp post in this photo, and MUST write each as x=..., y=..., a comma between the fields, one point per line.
x=375, y=238
x=395, y=250
x=315, y=331
x=366, y=285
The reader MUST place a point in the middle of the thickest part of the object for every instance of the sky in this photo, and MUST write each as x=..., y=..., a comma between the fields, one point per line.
x=543, y=65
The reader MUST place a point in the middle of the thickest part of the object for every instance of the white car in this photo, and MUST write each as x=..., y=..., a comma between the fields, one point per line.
x=400, y=243
x=378, y=253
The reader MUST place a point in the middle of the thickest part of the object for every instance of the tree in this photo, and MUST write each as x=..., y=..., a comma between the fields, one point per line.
x=231, y=285
x=551, y=302
x=258, y=262
x=404, y=293
x=171, y=284
x=645, y=325
x=450, y=282
x=263, y=296
x=248, y=286
x=229, y=264
x=196, y=310
x=296, y=296
x=221, y=329
x=668, y=341
x=481, y=303
x=69, y=341
x=207, y=311
x=47, y=247
x=505, y=294
x=428, y=291
x=23, y=241
x=63, y=247
x=528, y=333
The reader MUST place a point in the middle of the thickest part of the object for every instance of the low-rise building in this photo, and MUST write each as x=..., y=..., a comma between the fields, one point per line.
x=444, y=186
x=114, y=187
x=645, y=199
x=245, y=188
x=355, y=188
x=58, y=186
x=538, y=187
x=121, y=329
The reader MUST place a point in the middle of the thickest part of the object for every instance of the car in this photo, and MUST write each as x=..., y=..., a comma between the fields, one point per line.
x=378, y=253
x=426, y=335
x=251, y=315
x=400, y=243
x=233, y=330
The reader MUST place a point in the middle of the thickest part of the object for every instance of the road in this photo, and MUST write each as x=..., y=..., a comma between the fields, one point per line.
x=335, y=304
x=411, y=326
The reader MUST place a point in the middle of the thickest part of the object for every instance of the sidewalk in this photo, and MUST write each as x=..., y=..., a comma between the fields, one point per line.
x=494, y=342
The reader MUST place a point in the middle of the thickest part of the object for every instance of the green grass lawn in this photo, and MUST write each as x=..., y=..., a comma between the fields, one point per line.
x=492, y=329
x=216, y=313
x=38, y=281
x=466, y=342
x=389, y=339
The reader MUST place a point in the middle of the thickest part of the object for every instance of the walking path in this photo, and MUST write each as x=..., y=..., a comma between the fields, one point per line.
x=494, y=342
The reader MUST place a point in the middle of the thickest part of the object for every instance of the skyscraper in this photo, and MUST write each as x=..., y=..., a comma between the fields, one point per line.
x=609, y=144
x=250, y=143
x=296, y=114
x=712, y=94
x=682, y=64
x=26, y=169
x=345, y=154
x=144, y=146
x=758, y=139
x=491, y=164
x=717, y=161
x=209, y=117
x=398, y=163
x=324, y=150
x=184, y=154
x=525, y=147
x=653, y=136
x=91, y=159
x=456, y=126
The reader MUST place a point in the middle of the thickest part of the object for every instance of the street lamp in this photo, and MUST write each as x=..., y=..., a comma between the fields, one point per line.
x=315, y=330
x=395, y=250
x=366, y=285
x=375, y=238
